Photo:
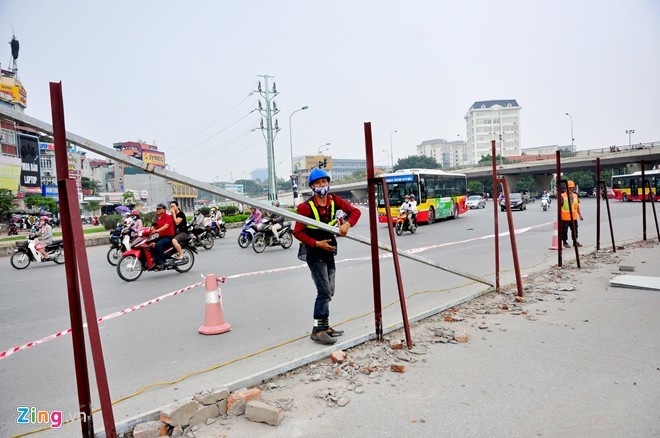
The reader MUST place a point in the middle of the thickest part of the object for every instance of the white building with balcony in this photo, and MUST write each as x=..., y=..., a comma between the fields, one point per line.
x=497, y=120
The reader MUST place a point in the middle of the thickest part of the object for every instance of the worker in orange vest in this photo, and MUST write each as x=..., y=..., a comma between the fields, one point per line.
x=568, y=216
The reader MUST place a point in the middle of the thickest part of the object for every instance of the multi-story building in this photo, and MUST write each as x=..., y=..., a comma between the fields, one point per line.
x=497, y=120
x=13, y=96
x=303, y=166
x=346, y=167
x=446, y=153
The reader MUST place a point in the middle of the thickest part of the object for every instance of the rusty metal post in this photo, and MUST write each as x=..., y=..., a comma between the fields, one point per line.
x=373, y=229
x=655, y=216
x=77, y=270
x=512, y=236
x=643, y=202
x=609, y=215
x=496, y=227
x=397, y=266
x=598, y=204
x=559, y=203
x=573, y=225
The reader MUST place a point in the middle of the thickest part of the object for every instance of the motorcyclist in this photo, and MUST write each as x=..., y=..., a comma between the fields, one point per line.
x=137, y=222
x=546, y=196
x=410, y=206
x=216, y=215
x=164, y=226
x=255, y=215
x=46, y=237
x=276, y=221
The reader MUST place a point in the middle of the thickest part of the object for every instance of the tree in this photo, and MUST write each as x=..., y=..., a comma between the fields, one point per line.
x=485, y=159
x=6, y=201
x=128, y=198
x=475, y=187
x=416, y=162
x=44, y=202
x=92, y=206
x=90, y=184
x=526, y=184
x=584, y=179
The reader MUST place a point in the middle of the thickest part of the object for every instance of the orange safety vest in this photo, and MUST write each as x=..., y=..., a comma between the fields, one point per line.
x=565, y=214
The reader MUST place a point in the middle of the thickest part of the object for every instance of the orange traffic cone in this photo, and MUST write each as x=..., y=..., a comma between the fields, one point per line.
x=214, y=320
x=555, y=237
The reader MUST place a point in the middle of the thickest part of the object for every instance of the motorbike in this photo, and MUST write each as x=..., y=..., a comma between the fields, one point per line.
x=122, y=243
x=200, y=237
x=26, y=252
x=247, y=233
x=544, y=204
x=12, y=229
x=217, y=229
x=401, y=223
x=140, y=258
x=265, y=237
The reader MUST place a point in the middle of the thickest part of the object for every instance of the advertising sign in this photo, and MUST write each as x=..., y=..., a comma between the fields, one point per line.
x=28, y=147
x=153, y=157
x=16, y=91
x=236, y=188
x=10, y=172
x=49, y=191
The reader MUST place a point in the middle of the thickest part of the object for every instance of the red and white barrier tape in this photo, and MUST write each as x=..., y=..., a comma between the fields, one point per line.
x=11, y=351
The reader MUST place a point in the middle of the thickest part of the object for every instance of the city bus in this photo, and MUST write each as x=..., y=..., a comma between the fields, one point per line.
x=629, y=187
x=438, y=194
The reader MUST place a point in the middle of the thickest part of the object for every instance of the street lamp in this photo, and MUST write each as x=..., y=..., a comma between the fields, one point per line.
x=630, y=132
x=321, y=148
x=387, y=154
x=392, y=150
x=294, y=183
x=572, y=139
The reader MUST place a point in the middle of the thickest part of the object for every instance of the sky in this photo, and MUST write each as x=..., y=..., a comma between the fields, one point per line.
x=184, y=75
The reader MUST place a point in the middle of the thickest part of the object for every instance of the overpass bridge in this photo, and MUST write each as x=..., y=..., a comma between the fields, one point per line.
x=541, y=170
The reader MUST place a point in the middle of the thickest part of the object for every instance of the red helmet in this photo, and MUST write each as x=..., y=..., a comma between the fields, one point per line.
x=135, y=213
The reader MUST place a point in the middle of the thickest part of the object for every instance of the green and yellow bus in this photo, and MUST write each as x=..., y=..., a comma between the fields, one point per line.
x=438, y=194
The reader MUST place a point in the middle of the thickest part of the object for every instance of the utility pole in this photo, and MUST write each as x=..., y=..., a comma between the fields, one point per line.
x=270, y=131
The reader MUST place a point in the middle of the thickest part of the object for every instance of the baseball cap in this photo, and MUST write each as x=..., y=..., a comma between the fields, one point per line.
x=161, y=205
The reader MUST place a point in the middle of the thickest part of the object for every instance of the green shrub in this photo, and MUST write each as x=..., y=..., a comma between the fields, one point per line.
x=228, y=210
x=148, y=218
x=235, y=218
x=205, y=210
x=110, y=221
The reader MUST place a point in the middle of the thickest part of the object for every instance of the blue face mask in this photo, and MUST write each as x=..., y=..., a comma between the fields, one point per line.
x=322, y=190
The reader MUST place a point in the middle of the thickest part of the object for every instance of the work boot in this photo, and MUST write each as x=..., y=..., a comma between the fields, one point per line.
x=334, y=332
x=323, y=338
x=566, y=245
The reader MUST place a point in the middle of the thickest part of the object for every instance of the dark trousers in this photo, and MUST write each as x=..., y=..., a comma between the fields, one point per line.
x=565, y=226
x=323, y=275
x=159, y=249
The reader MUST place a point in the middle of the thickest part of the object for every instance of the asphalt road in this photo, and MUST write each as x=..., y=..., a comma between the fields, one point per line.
x=267, y=299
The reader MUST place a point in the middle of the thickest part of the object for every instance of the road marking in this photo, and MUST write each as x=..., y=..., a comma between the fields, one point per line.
x=128, y=310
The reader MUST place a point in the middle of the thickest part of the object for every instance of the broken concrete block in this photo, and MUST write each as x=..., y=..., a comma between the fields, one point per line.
x=151, y=429
x=261, y=412
x=338, y=356
x=238, y=399
x=204, y=413
x=222, y=406
x=396, y=344
x=211, y=397
x=178, y=413
x=624, y=268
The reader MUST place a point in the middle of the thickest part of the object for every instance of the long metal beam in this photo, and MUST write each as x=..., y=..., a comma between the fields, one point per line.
x=173, y=176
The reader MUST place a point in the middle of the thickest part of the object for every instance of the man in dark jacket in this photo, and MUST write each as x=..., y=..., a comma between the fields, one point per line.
x=319, y=247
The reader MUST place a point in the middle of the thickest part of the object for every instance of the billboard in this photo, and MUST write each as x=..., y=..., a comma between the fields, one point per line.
x=14, y=92
x=236, y=188
x=28, y=147
x=153, y=157
x=10, y=172
x=49, y=191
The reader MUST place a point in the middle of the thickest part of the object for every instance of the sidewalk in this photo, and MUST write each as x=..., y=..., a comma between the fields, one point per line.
x=583, y=363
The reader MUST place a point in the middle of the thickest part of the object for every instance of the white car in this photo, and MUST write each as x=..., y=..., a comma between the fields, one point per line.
x=476, y=201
